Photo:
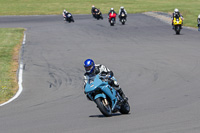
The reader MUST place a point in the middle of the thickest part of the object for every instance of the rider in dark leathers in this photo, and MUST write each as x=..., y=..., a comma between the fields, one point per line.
x=93, y=10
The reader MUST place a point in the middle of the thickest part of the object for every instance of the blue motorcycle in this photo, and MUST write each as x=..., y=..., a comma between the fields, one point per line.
x=106, y=97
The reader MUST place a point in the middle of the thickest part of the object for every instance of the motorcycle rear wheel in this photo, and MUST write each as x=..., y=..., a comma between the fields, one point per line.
x=105, y=109
x=125, y=108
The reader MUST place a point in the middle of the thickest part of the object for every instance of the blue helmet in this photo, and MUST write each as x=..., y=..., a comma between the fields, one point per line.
x=89, y=65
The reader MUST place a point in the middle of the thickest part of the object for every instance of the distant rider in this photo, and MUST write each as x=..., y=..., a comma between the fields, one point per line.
x=93, y=69
x=176, y=14
x=198, y=20
x=65, y=14
x=122, y=10
x=111, y=11
x=94, y=10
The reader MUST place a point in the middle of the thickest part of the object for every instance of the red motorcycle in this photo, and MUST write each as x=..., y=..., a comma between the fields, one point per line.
x=112, y=18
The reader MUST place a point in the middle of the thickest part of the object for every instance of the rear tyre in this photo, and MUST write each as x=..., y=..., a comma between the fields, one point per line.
x=105, y=109
x=125, y=108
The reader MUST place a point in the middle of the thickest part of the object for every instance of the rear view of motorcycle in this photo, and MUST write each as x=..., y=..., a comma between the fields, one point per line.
x=177, y=22
x=112, y=18
x=107, y=99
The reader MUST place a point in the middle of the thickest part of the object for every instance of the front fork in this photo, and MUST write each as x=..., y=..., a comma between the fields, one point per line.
x=105, y=102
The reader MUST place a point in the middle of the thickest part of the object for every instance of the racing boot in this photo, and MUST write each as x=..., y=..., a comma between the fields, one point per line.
x=122, y=94
x=116, y=86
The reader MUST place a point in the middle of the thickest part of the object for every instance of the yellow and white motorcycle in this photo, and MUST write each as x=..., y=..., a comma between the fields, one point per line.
x=177, y=22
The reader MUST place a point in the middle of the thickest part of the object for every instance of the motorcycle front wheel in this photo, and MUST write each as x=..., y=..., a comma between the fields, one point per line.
x=112, y=23
x=103, y=106
x=123, y=21
x=178, y=29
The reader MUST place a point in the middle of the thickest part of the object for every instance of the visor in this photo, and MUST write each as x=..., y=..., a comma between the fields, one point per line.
x=88, y=68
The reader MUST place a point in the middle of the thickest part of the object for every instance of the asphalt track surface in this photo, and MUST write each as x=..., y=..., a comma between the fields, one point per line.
x=158, y=70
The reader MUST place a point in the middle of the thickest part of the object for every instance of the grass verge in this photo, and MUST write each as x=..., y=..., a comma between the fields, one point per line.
x=10, y=44
x=189, y=8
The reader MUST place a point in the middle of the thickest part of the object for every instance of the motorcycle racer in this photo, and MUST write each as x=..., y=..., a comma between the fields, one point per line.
x=111, y=11
x=122, y=10
x=64, y=14
x=175, y=14
x=198, y=20
x=67, y=16
x=93, y=10
x=93, y=69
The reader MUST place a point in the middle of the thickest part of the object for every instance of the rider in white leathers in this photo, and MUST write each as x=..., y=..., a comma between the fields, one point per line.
x=94, y=69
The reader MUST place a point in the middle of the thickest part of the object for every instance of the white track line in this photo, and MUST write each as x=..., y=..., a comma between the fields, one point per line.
x=19, y=76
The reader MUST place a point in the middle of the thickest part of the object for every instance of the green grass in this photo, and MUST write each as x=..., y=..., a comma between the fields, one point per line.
x=189, y=8
x=10, y=42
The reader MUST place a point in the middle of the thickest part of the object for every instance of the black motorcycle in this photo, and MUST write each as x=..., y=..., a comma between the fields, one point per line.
x=69, y=18
x=97, y=15
x=123, y=18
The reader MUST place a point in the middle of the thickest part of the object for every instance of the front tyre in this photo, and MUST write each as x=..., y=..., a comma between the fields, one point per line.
x=103, y=107
x=178, y=29
x=123, y=21
x=125, y=108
